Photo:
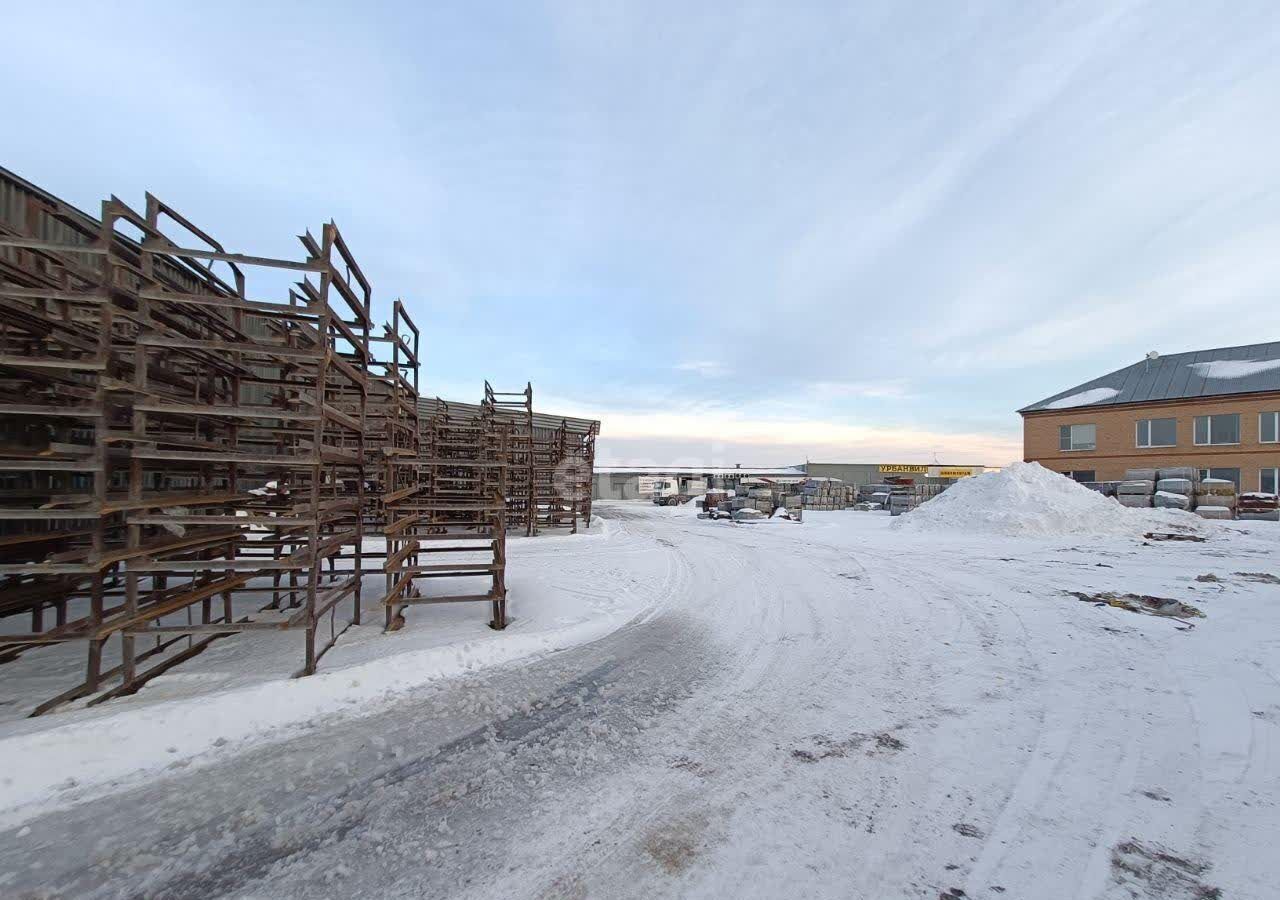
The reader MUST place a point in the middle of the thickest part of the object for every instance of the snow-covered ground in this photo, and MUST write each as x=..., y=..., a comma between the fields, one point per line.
x=838, y=708
x=241, y=690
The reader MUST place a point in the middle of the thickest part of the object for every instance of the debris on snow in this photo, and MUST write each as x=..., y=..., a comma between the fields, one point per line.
x=1159, y=873
x=1141, y=603
x=1259, y=577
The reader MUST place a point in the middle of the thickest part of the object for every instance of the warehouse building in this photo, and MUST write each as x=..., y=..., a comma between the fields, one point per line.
x=877, y=473
x=637, y=483
x=1215, y=410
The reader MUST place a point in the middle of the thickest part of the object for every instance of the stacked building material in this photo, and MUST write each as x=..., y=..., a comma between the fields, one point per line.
x=824, y=493
x=1259, y=507
x=1176, y=488
x=1138, y=488
x=875, y=494
x=757, y=497
x=902, y=498
x=1215, y=498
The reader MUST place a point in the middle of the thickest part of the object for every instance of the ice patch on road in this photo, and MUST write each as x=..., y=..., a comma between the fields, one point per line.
x=1028, y=500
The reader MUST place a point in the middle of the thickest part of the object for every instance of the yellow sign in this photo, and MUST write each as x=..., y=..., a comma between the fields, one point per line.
x=955, y=472
x=903, y=470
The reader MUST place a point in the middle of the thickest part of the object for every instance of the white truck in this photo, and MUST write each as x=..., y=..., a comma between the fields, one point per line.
x=673, y=491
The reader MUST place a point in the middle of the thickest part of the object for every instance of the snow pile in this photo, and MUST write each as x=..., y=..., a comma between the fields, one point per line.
x=1028, y=500
x=1233, y=368
x=1084, y=398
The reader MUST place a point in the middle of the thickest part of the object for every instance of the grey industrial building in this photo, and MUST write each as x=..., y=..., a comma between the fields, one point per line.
x=633, y=482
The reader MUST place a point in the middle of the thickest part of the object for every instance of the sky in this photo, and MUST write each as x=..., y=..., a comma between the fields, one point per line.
x=752, y=233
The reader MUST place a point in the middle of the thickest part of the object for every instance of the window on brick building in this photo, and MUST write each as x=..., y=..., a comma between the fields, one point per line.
x=1222, y=429
x=1269, y=481
x=1078, y=437
x=1232, y=475
x=1269, y=427
x=1157, y=432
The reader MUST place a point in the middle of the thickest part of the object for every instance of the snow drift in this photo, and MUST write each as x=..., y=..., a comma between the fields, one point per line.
x=1028, y=500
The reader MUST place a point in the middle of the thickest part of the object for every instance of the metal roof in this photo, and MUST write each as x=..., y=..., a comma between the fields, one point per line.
x=781, y=471
x=428, y=405
x=1251, y=369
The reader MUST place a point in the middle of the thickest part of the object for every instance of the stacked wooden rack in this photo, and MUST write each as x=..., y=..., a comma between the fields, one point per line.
x=196, y=443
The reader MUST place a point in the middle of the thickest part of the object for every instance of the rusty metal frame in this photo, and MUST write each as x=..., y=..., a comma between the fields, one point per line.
x=183, y=460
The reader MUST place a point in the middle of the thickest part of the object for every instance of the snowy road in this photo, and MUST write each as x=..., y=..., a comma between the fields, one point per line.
x=821, y=710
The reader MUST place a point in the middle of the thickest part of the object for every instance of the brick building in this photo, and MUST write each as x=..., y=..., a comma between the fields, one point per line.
x=1216, y=410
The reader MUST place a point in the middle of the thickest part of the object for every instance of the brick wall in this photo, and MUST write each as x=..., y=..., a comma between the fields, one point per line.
x=1117, y=448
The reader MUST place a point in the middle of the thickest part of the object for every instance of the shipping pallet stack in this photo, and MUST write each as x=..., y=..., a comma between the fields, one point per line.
x=453, y=526
x=574, y=473
x=392, y=416
x=267, y=431
x=549, y=480
x=393, y=450
x=64, y=355
x=758, y=496
x=873, y=496
x=515, y=409
x=1175, y=488
x=1178, y=487
x=194, y=396
x=550, y=507
x=1216, y=499
x=825, y=494
x=1138, y=489
x=1256, y=506
x=563, y=487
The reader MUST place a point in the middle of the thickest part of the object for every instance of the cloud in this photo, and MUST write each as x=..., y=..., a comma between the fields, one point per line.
x=705, y=367
x=892, y=388
x=773, y=441
x=792, y=215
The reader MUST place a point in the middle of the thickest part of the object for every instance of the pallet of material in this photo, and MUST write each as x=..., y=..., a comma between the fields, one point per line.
x=1256, y=506
x=1141, y=475
x=1213, y=512
x=1136, y=486
x=1135, y=501
x=1170, y=500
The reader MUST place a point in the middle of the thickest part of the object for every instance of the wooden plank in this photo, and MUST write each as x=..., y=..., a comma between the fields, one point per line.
x=229, y=412
x=455, y=598
x=49, y=362
x=33, y=409
x=219, y=520
x=172, y=605
x=54, y=514
x=256, y=348
x=394, y=560
x=169, y=249
x=48, y=465
x=221, y=565
x=251, y=459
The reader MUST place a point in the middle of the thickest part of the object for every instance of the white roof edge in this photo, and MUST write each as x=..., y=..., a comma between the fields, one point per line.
x=694, y=470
